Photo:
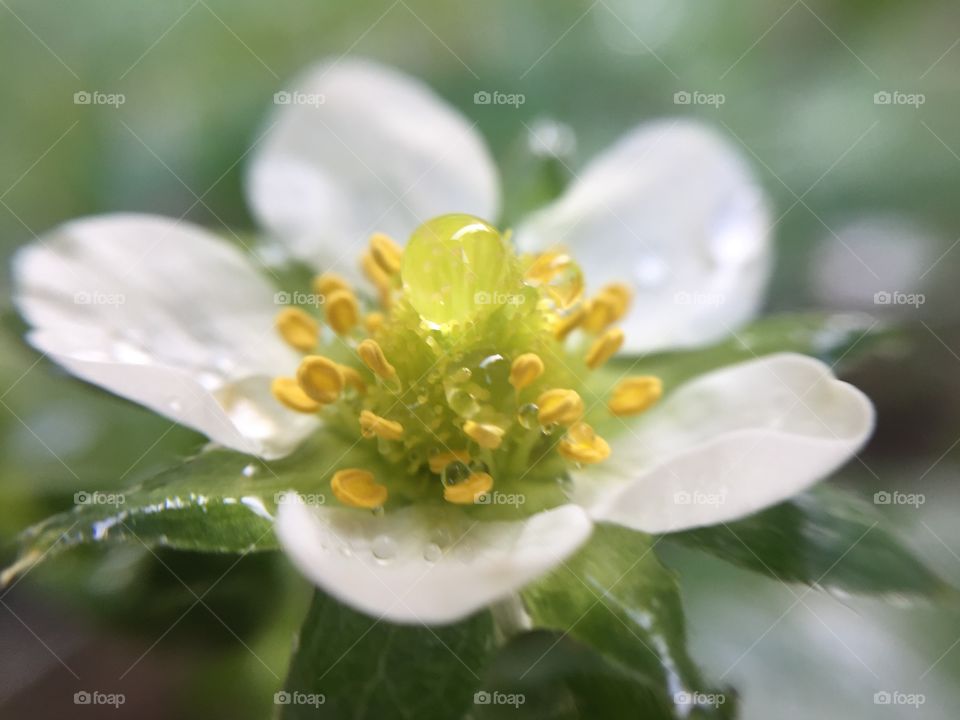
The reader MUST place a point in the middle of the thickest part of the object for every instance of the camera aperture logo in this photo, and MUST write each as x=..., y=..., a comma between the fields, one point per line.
x=95, y=497
x=302, y=299
x=289, y=496
x=885, y=297
x=500, y=498
x=699, y=699
x=484, y=697
x=496, y=97
x=685, y=97
x=97, y=297
x=895, y=697
x=96, y=97
x=896, y=97
x=285, y=97
x=698, y=497
x=95, y=697
x=295, y=697
x=899, y=498
x=499, y=298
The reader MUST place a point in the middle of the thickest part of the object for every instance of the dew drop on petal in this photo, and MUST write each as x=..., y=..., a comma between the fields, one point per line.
x=384, y=547
x=527, y=415
x=249, y=470
x=432, y=552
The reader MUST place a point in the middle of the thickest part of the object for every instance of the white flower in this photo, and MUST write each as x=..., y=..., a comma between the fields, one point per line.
x=170, y=316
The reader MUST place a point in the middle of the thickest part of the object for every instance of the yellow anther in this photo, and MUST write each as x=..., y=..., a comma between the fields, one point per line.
x=328, y=283
x=298, y=329
x=557, y=273
x=610, y=304
x=372, y=356
x=604, y=348
x=373, y=322
x=372, y=425
x=559, y=406
x=635, y=394
x=386, y=253
x=342, y=311
x=582, y=445
x=358, y=488
x=470, y=490
x=320, y=378
x=377, y=276
x=353, y=379
x=288, y=392
x=486, y=435
x=439, y=461
x=566, y=325
x=525, y=370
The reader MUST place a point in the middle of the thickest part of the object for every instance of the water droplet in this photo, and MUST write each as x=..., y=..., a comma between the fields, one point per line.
x=548, y=429
x=559, y=275
x=249, y=470
x=454, y=473
x=384, y=547
x=460, y=375
x=527, y=415
x=462, y=402
x=479, y=466
x=432, y=552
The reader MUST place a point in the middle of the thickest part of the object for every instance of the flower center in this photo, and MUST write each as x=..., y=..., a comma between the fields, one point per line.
x=467, y=367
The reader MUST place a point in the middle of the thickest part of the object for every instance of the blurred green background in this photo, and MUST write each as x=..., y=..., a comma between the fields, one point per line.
x=866, y=200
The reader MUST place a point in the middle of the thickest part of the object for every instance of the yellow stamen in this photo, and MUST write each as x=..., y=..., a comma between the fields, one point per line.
x=372, y=425
x=288, y=392
x=328, y=283
x=373, y=322
x=610, y=304
x=354, y=379
x=566, y=325
x=582, y=445
x=298, y=329
x=377, y=276
x=439, y=461
x=358, y=488
x=372, y=356
x=557, y=273
x=470, y=490
x=320, y=378
x=486, y=435
x=635, y=394
x=342, y=311
x=559, y=406
x=525, y=370
x=386, y=253
x=604, y=347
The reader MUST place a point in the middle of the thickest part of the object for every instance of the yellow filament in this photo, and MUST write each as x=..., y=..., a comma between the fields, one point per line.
x=358, y=488
x=604, y=347
x=377, y=276
x=559, y=406
x=342, y=311
x=566, y=325
x=486, y=435
x=582, y=445
x=320, y=378
x=298, y=329
x=439, y=461
x=288, y=392
x=328, y=283
x=525, y=370
x=372, y=356
x=386, y=253
x=372, y=425
x=353, y=379
x=635, y=394
x=470, y=490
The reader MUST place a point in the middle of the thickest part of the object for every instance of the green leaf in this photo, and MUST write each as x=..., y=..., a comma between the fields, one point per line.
x=363, y=667
x=219, y=501
x=616, y=597
x=825, y=537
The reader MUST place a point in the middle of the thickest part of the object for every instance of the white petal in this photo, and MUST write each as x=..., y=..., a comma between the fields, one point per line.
x=165, y=314
x=436, y=565
x=361, y=148
x=675, y=211
x=728, y=444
